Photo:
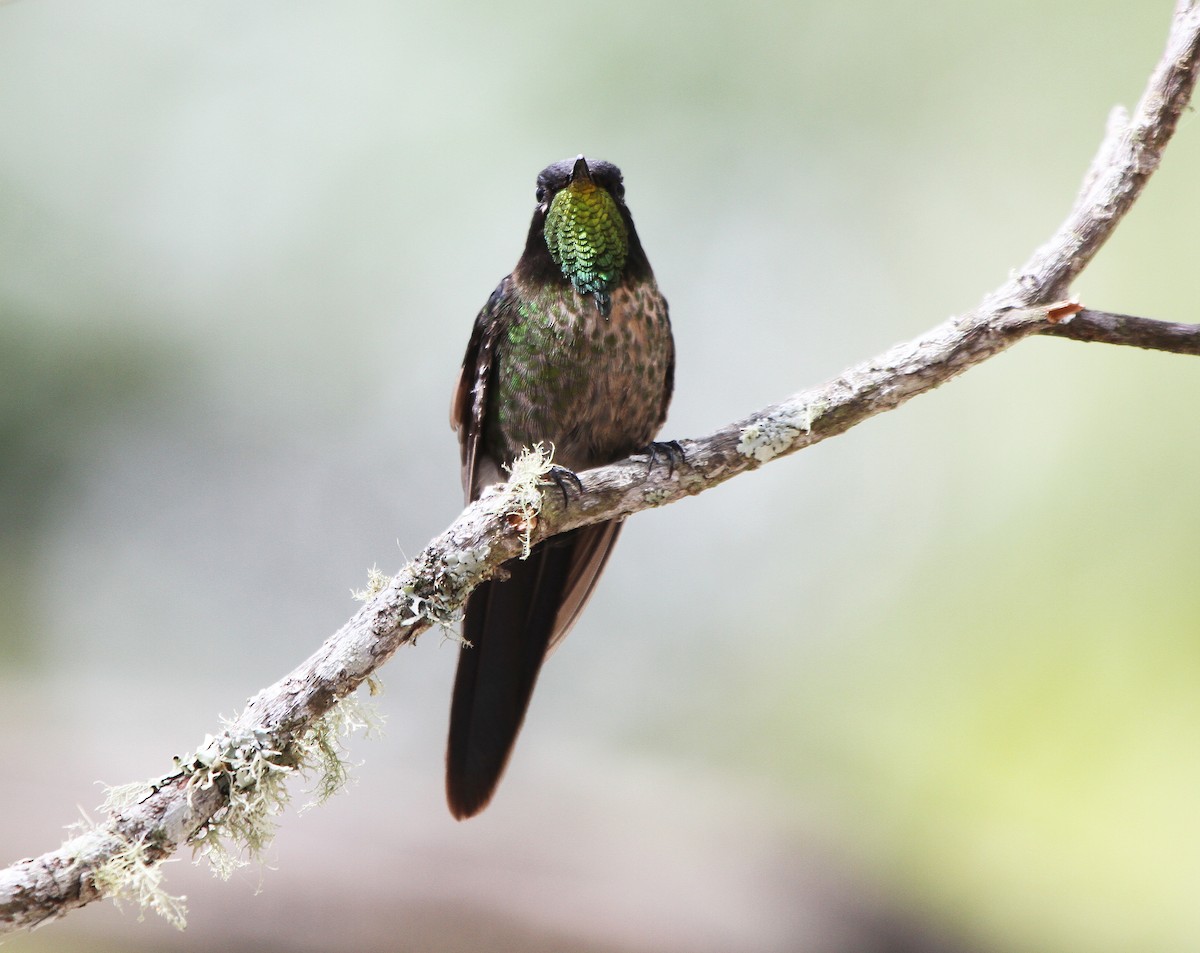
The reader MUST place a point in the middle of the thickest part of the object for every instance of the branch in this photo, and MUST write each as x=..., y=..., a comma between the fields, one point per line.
x=236, y=779
x=1104, y=328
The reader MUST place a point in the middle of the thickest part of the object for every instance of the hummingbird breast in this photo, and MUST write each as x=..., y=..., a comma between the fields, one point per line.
x=594, y=385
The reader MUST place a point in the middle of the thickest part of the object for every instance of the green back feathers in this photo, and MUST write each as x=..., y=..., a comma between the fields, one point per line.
x=587, y=237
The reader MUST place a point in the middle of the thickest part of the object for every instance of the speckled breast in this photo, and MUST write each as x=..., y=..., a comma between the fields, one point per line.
x=595, y=386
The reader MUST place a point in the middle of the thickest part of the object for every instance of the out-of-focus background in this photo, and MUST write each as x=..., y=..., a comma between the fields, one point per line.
x=934, y=685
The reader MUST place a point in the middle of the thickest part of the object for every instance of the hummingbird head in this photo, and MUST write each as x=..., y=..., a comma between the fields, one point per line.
x=585, y=226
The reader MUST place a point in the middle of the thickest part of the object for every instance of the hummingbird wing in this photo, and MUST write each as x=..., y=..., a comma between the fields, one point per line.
x=593, y=545
x=470, y=400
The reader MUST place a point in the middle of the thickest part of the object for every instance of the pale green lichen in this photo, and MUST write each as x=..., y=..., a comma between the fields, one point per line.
x=464, y=566
x=655, y=495
x=122, y=796
x=774, y=434
x=413, y=610
x=433, y=607
x=132, y=874
x=254, y=771
x=440, y=604
x=326, y=751
x=377, y=581
x=523, y=499
x=414, y=604
x=766, y=438
x=254, y=775
x=459, y=570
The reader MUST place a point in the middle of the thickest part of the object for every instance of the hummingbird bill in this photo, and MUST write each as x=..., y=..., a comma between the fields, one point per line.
x=572, y=350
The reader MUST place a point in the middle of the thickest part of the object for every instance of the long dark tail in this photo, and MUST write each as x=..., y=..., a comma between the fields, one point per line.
x=512, y=624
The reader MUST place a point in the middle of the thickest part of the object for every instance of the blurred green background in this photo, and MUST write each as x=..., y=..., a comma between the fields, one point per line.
x=930, y=686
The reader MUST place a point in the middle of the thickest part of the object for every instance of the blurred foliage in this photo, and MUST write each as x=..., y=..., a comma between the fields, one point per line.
x=60, y=389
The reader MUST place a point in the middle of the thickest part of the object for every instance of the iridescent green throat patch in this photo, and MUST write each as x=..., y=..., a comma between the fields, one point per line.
x=587, y=237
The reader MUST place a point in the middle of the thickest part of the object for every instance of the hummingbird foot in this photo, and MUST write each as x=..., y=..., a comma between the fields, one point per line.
x=564, y=478
x=670, y=450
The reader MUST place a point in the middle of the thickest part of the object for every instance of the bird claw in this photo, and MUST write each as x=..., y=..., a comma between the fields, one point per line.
x=670, y=449
x=562, y=478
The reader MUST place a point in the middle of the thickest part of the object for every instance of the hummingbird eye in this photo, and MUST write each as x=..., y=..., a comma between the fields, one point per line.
x=540, y=195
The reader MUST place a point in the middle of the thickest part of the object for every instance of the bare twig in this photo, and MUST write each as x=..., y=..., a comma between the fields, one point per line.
x=1101, y=327
x=431, y=588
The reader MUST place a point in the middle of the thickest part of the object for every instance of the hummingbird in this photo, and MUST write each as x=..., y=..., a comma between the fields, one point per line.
x=573, y=350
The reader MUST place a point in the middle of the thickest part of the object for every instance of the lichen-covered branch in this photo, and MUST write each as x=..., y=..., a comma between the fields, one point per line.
x=224, y=794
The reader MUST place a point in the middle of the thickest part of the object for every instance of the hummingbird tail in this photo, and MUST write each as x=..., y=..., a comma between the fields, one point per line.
x=512, y=625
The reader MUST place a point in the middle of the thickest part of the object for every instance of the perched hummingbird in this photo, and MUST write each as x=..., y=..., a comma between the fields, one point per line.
x=573, y=349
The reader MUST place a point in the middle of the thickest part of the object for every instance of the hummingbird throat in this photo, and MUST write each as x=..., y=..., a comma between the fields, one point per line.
x=587, y=237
